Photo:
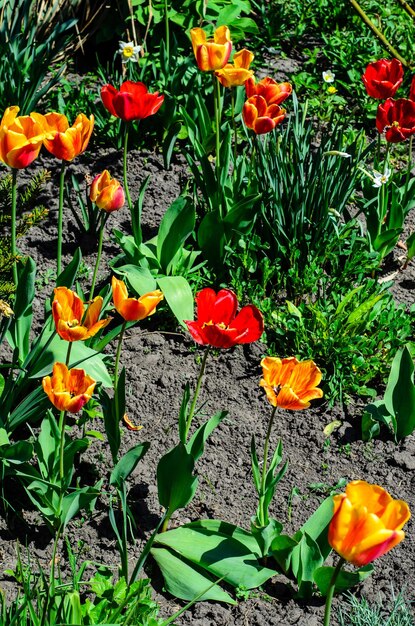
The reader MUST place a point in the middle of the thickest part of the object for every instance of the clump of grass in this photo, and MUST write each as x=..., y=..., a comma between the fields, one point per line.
x=359, y=612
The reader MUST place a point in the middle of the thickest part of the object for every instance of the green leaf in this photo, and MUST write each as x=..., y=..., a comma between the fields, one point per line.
x=31, y=408
x=282, y=548
x=345, y=580
x=410, y=244
x=177, y=224
x=175, y=480
x=265, y=535
x=2, y=383
x=127, y=464
x=140, y=278
x=81, y=357
x=183, y=580
x=375, y=414
x=178, y=295
x=218, y=550
x=400, y=393
x=213, y=247
x=68, y=276
x=183, y=413
x=196, y=443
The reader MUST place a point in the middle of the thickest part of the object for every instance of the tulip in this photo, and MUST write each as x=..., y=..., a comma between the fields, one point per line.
x=412, y=89
x=131, y=102
x=68, y=390
x=107, y=193
x=237, y=74
x=211, y=54
x=71, y=321
x=367, y=523
x=290, y=384
x=268, y=88
x=20, y=138
x=134, y=309
x=261, y=117
x=63, y=141
x=383, y=78
x=396, y=118
x=218, y=325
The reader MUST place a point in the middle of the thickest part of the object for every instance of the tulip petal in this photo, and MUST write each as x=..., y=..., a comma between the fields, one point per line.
x=249, y=323
x=108, y=93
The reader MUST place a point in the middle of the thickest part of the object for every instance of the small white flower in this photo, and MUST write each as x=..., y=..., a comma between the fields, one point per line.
x=380, y=179
x=129, y=52
x=328, y=76
x=345, y=155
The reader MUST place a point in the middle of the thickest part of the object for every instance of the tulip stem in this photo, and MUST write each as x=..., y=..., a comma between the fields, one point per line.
x=117, y=358
x=378, y=33
x=235, y=131
x=167, y=25
x=124, y=163
x=330, y=592
x=60, y=217
x=408, y=171
x=263, y=513
x=62, y=421
x=14, y=225
x=196, y=394
x=68, y=353
x=104, y=218
x=216, y=97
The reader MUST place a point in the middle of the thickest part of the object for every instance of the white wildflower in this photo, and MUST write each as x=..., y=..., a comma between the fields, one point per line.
x=129, y=52
x=328, y=76
x=380, y=179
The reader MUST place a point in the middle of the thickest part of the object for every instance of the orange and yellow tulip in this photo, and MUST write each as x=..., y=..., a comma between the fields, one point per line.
x=237, y=74
x=68, y=390
x=260, y=116
x=66, y=142
x=71, y=321
x=107, y=193
x=20, y=138
x=134, y=309
x=290, y=384
x=367, y=522
x=268, y=88
x=211, y=54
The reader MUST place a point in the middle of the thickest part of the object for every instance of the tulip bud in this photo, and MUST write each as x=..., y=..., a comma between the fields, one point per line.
x=107, y=193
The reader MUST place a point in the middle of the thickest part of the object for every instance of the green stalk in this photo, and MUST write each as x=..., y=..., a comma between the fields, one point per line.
x=14, y=225
x=68, y=353
x=117, y=357
x=408, y=171
x=197, y=391
x=383, y=210
x=60, y=217
x=264, y=514
x=167, y=26
x=216, y=99
x=378, y=34
x=235, y=132
x=104, y=218
x=330, y=593
x=124, y=164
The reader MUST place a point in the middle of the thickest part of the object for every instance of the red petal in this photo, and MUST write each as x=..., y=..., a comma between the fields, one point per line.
x=249, y=323
x=108, y=93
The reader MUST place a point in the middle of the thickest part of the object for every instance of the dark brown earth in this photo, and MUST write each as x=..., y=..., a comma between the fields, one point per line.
x=158, y=365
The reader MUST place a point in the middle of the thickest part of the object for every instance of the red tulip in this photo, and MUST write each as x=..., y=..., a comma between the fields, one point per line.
x=396, y=118
x=131, y=102
x=383, y=78
x=268, y=88
x=219, y=325
x=260, y=116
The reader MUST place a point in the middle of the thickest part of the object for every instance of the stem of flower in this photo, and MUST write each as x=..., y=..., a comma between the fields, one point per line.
x=68, y=353
x=124, y=163
x=14, y=225
x=216, y=99
x=197, y=391
x=378, y=34
x=60, y=217
x=100, y=240
x=167, y=25
x=383, y=208
x=408, y=171
x=117, y=357
x=264, y=514
x=235, y=131
x=330, y=593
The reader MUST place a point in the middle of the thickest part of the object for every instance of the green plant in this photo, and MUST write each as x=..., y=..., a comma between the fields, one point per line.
x=30, y=213
x=397, y=409
x=31, y=38
x=360, y=612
